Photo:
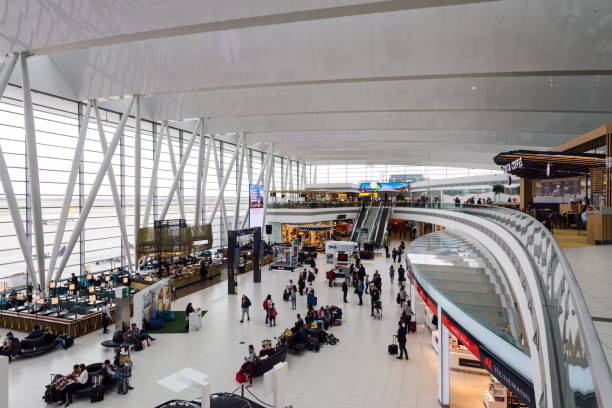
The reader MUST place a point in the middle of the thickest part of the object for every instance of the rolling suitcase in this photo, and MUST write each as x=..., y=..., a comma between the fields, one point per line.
x=392, y=348
x=68, y=341
x=413, y=326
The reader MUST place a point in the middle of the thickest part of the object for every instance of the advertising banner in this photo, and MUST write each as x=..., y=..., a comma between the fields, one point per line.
x=149, y=302
x=375, y=187
x=519, y=387
x=256, y=199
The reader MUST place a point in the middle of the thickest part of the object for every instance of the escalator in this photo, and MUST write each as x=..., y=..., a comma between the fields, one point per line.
x=381, y=228
x=358, y=223
x=366, y=232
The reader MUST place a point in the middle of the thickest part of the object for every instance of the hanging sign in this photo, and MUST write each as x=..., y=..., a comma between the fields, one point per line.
x=513, y=165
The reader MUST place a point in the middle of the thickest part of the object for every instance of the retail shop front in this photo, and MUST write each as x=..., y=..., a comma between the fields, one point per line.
x=568, y=187
x=312, y=235
x=475, y=329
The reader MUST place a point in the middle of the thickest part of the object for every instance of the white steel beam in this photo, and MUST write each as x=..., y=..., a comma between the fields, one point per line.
x=30, y=133
x=137, y=170
x=239, y=183
x=7, y=185
x=9, y=193
x=259, y=180
x=177, y=176
x=199, y=187
x=158, y=146
x=267, y=185
x=94, y=189
x=223, y=216
x=74, y=170
x=225, y=179
x=179, y=197
x=290, y=174
x=205, y=177
x=115, y=192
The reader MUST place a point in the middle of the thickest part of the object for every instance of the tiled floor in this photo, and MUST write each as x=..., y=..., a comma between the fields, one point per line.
x=593, y=269
x=357, y=372
x=571, y=238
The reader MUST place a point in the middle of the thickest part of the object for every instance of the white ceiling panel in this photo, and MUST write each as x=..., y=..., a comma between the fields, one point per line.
x=427, y=81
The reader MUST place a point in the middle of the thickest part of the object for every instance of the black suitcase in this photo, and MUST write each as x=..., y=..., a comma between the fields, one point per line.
x=68, y=341
x=392, y=348
x=286, y=295
x=97, y=394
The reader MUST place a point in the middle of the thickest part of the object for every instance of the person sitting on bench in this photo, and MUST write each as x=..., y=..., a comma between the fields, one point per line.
x=82, y=376
x=49, y=337
x=112, y=374
x=140, y=334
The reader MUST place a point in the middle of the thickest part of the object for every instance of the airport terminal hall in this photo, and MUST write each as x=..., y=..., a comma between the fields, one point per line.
x=306, y=203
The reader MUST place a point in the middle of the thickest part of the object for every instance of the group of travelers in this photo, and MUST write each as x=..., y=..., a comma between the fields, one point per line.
x=396, y=253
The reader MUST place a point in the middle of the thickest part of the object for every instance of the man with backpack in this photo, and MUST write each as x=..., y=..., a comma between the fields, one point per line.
x=245, y=304
x=359, y=291
x=345, y=289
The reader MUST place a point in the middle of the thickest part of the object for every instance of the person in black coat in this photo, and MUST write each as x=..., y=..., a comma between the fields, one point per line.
x=203, y=270
x=301, y=284
x=401, y=340
x=345, y=289
x=401, y=275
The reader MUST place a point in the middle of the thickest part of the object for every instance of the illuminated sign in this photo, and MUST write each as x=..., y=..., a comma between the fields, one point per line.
x=513, y=165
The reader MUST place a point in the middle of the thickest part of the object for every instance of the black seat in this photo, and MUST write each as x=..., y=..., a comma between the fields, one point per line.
x=35, y=345
x=266, y=364
x=117, y=340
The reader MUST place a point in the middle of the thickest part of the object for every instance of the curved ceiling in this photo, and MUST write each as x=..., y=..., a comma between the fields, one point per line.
x=406, y=82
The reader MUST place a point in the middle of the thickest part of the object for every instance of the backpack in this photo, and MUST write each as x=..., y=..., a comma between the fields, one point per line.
x=265, y=304
x=138, y=346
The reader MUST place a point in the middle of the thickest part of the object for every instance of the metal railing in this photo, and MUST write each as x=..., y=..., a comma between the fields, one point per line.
x=584, y=376
x=307, y=205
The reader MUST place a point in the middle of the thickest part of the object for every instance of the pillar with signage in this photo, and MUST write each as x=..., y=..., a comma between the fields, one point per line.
x=122, y=307
x=443, y=362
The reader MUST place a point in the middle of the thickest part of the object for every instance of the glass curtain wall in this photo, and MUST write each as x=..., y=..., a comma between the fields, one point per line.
x=99, y=245
x=357, y=173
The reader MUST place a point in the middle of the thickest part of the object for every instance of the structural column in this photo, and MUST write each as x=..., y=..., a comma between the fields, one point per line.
x=443, y=362
x=137, y=170
x=30, y=133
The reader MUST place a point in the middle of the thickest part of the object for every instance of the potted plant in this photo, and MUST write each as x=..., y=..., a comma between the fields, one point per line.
x=498, y=189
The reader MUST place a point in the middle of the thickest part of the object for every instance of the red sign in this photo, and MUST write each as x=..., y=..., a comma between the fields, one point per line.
x=424, y=296
x=462, y=337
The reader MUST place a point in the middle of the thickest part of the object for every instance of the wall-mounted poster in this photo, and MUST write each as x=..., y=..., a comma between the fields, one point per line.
x=559, y=187
x=256, y=199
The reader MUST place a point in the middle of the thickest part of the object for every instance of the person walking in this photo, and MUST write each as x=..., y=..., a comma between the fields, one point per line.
x=301, y=283
x=272, y=315
x=266, y=306
x=245, y=304
x=374, y=297
x=344, y=289
x=394, y=254
x=402, y=295
x=293, y=297
x=366, y=283
x=105, y=316
x=401, y=340
x=401, y=275
x=311, y=300
x=359, y=290
x=391, y=273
